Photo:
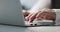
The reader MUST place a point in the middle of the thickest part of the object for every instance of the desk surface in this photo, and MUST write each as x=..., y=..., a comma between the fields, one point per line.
x=4, y=28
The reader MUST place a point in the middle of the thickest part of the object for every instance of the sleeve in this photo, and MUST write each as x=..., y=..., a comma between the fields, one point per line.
x=39, y=5
x=57, y=16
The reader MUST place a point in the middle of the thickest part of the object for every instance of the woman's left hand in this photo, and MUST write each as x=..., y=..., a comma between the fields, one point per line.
x=46, y=14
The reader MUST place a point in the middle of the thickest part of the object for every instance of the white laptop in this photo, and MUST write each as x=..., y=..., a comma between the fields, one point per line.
x=11, y=13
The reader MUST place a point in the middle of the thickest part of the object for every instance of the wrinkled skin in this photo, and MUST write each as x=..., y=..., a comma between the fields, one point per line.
x=48, y=14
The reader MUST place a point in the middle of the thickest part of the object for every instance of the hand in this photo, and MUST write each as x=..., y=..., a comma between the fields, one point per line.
x=30, y=17
x=46, y=14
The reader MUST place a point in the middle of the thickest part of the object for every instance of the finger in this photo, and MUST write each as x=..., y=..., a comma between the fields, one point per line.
x=32, y=18
x=38, y=14
x=27, y=18
x=42, y=16
x=42, y=11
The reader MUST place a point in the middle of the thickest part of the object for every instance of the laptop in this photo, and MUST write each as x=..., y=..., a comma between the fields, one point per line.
x=11, y=14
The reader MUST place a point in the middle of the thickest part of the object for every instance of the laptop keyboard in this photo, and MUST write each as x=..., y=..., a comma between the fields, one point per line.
x=39, y=22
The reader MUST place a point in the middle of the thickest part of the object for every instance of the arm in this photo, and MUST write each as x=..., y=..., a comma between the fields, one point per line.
x=39, y=5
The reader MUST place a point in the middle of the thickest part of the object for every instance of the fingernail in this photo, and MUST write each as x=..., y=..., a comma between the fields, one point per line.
x=26, y=19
